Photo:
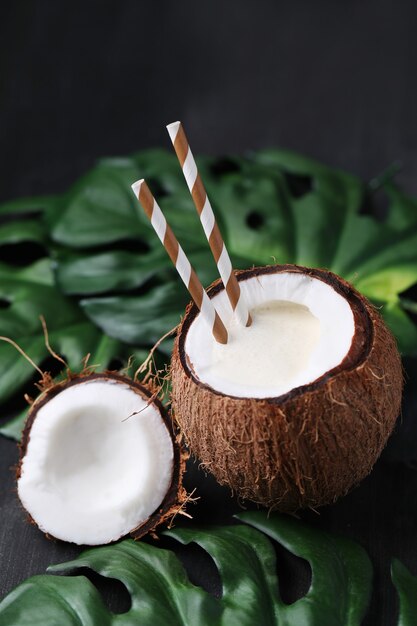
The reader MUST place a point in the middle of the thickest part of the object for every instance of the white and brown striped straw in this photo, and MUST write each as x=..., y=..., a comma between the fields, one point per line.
x=179, y=259
x=208, y=221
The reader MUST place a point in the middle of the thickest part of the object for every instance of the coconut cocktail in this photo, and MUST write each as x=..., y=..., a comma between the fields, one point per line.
x=285, y=380
x=295, y=409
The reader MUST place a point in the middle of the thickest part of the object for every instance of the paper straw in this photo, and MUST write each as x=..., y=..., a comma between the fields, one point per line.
x=208, y=221
x=179, y=259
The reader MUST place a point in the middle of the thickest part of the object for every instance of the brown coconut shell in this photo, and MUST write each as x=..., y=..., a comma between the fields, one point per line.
x=311, y=445
x=176, y=496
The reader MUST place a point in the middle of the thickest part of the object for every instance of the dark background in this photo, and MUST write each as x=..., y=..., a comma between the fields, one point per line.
x=336, y=80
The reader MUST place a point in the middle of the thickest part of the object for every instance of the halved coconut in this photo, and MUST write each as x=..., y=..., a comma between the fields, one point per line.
x=99, y=460
x=294, y=410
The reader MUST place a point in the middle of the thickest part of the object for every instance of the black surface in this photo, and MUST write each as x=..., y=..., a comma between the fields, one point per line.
x=336, y=80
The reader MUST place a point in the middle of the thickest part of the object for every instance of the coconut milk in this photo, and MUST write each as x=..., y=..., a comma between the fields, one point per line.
x=272, y=351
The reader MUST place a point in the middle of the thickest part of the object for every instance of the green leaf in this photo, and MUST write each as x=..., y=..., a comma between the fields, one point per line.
x=402, y=210
x=341, y=572
x=246, y=563
x=17, y=232
x=258, y=222
x=386, y=284
x=157, y=582
x=161, y=592
x=100, y=208
x=38, y=273
x=406, y=586
x=139, y=320
x=386, y=250
x=115, y=270
x=27, y=205
x=321, y=213
x=48, y=601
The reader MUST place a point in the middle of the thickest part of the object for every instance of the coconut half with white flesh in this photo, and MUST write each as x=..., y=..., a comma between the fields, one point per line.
x=99, y=460
x=295, y=409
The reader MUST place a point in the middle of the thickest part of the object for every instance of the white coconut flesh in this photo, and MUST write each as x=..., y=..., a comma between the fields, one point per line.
x=98, y=463
x=301, y=328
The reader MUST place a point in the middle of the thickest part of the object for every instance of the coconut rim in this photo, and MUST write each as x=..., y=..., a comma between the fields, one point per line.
x=174, y=498
x=359, y=350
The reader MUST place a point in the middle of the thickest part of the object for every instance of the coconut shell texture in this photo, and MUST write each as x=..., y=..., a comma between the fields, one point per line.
x=307, y=447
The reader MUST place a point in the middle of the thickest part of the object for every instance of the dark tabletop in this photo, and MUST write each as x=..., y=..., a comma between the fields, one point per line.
x=333, y=79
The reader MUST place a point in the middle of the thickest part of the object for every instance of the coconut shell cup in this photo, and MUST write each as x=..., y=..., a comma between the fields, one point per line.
x=309, y=446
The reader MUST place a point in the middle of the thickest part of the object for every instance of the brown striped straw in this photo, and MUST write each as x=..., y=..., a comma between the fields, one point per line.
x=208, y=221
x=179, y=259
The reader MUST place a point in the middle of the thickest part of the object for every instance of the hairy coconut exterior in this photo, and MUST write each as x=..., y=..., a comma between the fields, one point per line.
x=311, y=445
x=176, y=496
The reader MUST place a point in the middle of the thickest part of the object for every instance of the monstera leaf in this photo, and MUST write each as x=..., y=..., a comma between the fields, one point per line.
x=161, y=592
x=90, y=263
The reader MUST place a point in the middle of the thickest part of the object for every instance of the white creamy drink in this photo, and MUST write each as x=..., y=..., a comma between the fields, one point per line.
x=301, y=328
x=279, y=344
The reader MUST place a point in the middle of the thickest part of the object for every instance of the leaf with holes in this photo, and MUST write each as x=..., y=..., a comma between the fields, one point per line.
x=281, y=206
x=301, y=206
x=341, y=573
x=378, y=256
x=253, y=205
x=161, y=592
x=337, y=564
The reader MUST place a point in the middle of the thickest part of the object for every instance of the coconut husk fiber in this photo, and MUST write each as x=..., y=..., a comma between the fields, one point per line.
x=311, y=445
